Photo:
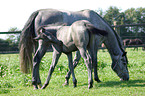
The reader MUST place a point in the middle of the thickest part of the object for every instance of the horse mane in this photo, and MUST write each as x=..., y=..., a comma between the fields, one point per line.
x=117, y=36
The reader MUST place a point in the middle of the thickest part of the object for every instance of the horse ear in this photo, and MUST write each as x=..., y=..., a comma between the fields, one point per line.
x=124, y=54
x=64, y=24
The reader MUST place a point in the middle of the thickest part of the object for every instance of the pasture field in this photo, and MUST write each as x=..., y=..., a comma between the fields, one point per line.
x=15, y=83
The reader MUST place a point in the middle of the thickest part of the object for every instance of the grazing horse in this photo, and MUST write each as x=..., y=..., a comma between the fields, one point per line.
x=128, y=42
x=56, y=18
x=79, y=36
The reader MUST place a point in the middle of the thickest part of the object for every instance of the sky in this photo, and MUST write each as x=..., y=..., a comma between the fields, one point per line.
x=15, y=13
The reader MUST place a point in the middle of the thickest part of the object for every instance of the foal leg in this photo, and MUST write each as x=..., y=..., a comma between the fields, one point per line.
x=88, y=63
x=72, y=68
x=56, y=56
x=75, y=62
x=36, y=61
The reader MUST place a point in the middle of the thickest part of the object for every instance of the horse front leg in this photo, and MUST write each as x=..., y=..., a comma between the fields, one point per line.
x=92, y=49
x=93, y=52
x=95, y=66
x=75, y=62
x=56, y=56
x=36, y=62
x=71, y=67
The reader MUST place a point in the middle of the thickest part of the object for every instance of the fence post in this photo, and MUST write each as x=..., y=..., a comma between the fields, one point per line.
x=117, y=29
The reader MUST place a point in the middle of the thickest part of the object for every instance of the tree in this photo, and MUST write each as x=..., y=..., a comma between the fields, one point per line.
x=111, y=15
x=135, y=16
x=13, y=39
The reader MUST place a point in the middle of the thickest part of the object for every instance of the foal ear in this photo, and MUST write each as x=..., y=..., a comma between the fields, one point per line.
x=37, y=38
x=42, y=30
x=124, y=54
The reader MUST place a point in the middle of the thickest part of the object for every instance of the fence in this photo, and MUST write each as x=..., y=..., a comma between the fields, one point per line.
x=8, y=46
x=130, y=31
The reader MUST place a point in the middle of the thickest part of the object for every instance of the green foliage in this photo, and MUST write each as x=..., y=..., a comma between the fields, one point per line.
x=14, y=82
x=114, y=16
x=4, y=45
x=12, y=41
x=129, y=16
x=111, y=15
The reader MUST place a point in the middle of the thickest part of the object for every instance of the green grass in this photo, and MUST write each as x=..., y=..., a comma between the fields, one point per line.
x=15, y=83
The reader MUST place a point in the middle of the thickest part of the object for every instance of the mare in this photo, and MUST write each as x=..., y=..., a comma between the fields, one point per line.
x=81, y=35
x=56, y=18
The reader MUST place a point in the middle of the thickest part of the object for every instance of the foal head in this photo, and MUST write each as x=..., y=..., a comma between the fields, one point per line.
x=120, y=67
x=46, y=36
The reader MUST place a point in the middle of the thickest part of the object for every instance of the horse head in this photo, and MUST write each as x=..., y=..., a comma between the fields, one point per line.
x=120, y=67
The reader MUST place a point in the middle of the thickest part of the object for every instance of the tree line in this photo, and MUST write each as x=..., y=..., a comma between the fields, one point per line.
x=11, y=42
x=113, y=16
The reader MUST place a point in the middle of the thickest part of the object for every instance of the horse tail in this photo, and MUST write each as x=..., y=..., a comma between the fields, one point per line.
x=94, y=30
x=25, y=45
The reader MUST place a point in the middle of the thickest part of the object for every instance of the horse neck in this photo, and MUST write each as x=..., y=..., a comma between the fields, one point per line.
x=113, y=46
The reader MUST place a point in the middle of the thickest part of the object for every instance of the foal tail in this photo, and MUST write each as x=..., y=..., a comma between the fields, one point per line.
x=26, y=44
x=94, y=30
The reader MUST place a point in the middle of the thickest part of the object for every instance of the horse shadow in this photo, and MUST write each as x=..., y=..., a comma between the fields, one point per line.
x=130, y=83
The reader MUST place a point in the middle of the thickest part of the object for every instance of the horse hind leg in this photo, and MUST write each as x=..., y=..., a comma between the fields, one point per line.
x=75, y=62
x=88, y=63
x=93, y=53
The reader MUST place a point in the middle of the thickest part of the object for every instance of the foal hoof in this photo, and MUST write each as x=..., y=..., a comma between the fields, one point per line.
x=43, y=87
x=90, y=86
x=65, y=83
x=39, y=86
x=35, y=87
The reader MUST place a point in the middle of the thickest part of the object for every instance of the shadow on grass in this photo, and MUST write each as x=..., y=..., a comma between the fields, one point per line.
x=130, y=83
x=4, y=91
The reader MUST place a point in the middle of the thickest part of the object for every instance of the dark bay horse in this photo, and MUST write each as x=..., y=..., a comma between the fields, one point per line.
x=128, y=42
x=81, y=35
x=56, y=18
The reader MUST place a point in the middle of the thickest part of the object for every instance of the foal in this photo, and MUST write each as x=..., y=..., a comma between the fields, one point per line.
x=80, y=36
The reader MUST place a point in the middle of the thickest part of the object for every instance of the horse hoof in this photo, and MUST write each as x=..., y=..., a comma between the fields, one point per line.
x=97, y=80
x=39, y=86
x=75, y=85
x=90, y=86
x=35, y=87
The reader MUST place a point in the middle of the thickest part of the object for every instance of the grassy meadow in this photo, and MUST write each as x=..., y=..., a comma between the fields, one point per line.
x=15, y=83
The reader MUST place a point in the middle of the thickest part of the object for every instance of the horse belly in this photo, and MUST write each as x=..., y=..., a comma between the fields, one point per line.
x=69, y=47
